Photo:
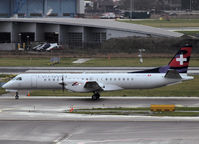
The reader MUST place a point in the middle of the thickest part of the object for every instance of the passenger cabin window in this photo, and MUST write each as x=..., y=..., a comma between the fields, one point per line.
x=19, y=78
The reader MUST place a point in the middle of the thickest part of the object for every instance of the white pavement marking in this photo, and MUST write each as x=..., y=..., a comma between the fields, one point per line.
x=80, y=61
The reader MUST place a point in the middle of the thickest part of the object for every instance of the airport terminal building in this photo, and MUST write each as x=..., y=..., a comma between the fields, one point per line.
x=41, y=8
x=72, y=32
x=55, y=21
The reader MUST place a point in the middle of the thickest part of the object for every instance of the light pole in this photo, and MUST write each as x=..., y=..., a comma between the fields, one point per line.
x=190, y=5
x=140, y=55
x=19, y=44
x=131, y=1
x=19, y=37
x=132, y=8
x=27, y=42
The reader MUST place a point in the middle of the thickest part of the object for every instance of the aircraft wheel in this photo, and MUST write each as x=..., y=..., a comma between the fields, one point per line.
x=96, y=96
x=17, y=96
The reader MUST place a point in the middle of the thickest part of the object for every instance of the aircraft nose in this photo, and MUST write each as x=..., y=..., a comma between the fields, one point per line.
x=5, y=86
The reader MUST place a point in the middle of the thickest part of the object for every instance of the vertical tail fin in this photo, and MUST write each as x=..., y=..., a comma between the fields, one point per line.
x=180, y=61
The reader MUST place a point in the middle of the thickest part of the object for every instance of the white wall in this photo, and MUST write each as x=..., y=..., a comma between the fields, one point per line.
x=80, y=6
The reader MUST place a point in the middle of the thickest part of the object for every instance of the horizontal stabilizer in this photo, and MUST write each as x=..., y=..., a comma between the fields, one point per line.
x=173, y=74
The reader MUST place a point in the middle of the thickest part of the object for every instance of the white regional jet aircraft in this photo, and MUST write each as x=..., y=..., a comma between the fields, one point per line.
x=174, y=72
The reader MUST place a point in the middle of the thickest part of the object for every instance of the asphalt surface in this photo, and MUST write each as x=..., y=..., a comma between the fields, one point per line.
x=95, y=132
x=63, y=103
x=43, y=120
x=17, y=70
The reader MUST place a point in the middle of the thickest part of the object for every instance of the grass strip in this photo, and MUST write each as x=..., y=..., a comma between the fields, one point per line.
x=176, y=114
x=97, y=62
x=2, y=91
x=180, y=111
x=189, y=32
x=165, y=23
x=121, y=109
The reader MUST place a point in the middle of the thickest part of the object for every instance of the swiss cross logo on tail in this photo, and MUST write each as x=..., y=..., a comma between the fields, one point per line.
x=181, y=59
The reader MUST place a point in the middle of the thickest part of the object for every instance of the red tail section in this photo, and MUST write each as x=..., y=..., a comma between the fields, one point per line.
x=180, y=61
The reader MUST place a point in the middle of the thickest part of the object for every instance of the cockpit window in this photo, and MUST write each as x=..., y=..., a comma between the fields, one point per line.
x=19, y=78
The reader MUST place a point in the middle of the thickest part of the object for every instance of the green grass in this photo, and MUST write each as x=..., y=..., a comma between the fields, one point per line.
x=165, y=23
x=121, y=109
x=2, y=91
x=189, y=32
x=177, y=109
x=187, y=108
x=123, y=62
x=172, y=114
x=67, y=62
x=34, y=62
x=109, y=113
x=181, y=114
x=187, y=88
x=180, y=111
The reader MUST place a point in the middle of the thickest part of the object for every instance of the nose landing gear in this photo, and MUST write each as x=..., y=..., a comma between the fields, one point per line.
x=17, y=96
x=96, y=96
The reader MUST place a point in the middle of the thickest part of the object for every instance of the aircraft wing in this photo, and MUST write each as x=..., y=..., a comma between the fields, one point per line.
x=173, y=74
x=93, y=85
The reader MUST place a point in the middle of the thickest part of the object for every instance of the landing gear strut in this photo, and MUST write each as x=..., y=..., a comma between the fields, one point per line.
x=95, y=96
x=17, y=96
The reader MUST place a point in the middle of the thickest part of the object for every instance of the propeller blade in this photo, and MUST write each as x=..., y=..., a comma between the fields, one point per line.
x=63, y=84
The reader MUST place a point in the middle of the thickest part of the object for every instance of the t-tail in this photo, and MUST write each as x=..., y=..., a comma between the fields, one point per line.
x=179, y=63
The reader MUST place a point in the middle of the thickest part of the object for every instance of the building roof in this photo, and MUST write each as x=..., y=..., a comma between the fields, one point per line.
x=99, y=23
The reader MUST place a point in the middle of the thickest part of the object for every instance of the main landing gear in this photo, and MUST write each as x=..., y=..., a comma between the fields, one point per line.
x=95, y=96
x=17, y=96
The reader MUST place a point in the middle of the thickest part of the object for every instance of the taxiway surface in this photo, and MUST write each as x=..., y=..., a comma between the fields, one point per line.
x=42, y=120
x=95, y=132
x=63, y=103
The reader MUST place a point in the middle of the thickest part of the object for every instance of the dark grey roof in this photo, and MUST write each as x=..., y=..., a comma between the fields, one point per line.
x=100, y=23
